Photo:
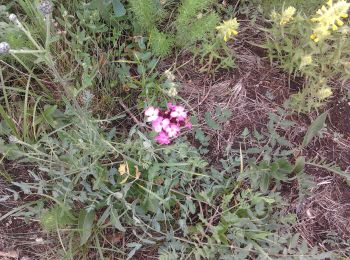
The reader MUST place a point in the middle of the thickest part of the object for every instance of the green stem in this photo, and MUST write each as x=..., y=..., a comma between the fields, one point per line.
x=4, y=92
x=48, y=35
x=26, y=51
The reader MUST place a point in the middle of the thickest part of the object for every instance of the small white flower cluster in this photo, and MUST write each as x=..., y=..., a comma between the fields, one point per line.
x=4, y=48
x=45, y=7
x=172, y=91
x=87, y=97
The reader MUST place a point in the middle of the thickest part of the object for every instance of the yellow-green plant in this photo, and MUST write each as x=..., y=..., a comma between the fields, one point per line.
x=315, y=47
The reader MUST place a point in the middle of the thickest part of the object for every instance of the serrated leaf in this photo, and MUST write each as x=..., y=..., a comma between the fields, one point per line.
x=85, y=224
x=210, y=122
x=315, y=128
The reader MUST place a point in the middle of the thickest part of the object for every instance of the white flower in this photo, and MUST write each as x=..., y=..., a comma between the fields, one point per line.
x=172, y=130
x=179, y=113
x=152, y=114
x=4, y=47
x=172, y=92
x=169, y=75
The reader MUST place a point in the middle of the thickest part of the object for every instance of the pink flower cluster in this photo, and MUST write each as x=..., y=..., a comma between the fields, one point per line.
x=167, y=123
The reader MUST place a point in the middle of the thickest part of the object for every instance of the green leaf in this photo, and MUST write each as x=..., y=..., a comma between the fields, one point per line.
x=210, y=122
x=85, y=223
x=8, y=120
x=115, y=220
x=118, y=8
x=314, y=128
x=299, y=165
x=264, y=183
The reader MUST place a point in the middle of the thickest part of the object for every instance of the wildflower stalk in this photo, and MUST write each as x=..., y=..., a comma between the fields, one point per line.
x=2, y=81
x=45, y=54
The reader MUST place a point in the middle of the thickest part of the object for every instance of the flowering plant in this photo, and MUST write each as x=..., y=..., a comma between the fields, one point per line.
x=167, y=124
x=313, y=47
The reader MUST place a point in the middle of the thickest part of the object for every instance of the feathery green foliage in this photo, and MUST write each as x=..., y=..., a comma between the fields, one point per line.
x=161, y=43
x=147, y=14
x=196, y=21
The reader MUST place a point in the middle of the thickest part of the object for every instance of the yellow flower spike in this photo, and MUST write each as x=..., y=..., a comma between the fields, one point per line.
x=228, y=28
x=328, y=19
x=287, y=15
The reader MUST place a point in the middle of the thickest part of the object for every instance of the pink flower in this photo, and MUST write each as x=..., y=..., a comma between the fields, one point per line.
x=160, y=123
x=172, y=130
x=152, y=114
x=163, y=138
x=157, y=124
x=179, y=113
x=171, y=106
x=189, y=125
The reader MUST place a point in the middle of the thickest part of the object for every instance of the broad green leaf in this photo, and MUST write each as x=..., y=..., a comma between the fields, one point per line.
x=85, y=224
x=315, y=128
x=118, y=8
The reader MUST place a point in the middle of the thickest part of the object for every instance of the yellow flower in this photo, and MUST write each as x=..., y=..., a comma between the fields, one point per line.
x=123, y=168
x=228, y=28
x=329, y=18
x=287, y=15
x=324, y=93
x=306, y=60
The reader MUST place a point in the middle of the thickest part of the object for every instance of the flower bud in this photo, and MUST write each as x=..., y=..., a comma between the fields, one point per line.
x=45, y=7
x=4, y=47
x=13, y=18
x=13, y=139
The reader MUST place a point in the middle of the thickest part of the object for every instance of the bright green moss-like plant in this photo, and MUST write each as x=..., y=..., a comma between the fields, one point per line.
x=161, y=43
x=195, y=22
x=147, y=13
